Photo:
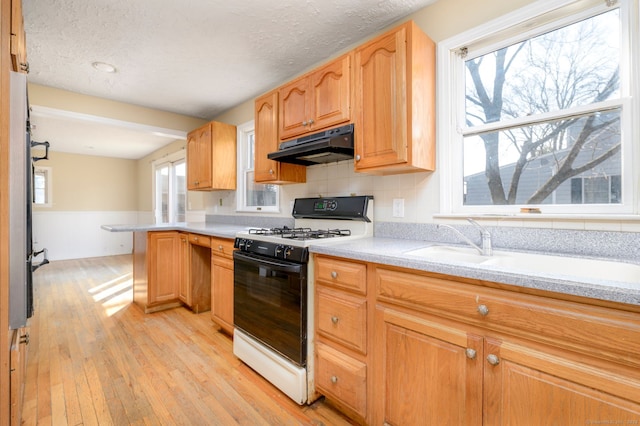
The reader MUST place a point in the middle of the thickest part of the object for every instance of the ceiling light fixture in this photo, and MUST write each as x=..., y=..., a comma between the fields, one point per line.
x=104, y=67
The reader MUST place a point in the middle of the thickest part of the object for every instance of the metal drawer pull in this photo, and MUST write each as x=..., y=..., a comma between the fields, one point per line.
x=335, y=319
x=493, y=359
x=483, y=310
x=334, y=274
x=334, y=379
x=471, y=353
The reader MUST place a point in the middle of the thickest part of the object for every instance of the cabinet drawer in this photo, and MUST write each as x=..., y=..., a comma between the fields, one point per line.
x=342, y=274
x=342, y=318
x=341, y=377
x=222, y=247
x=200, y=240
x=593, y=330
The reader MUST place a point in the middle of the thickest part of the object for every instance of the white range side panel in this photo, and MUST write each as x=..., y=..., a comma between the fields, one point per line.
x=18, y=201
x=77, y=234
x=289, y=378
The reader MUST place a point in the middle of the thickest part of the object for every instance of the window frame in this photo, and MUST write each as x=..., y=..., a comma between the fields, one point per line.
x=48, y=172
x=176, y=157
x=243, y=132
x=525, y=23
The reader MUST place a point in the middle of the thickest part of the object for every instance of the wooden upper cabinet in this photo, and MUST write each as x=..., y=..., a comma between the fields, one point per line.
x=266, y=141
x=18, y=39
x=317, y=100
x=211, y=157
x=395, y=102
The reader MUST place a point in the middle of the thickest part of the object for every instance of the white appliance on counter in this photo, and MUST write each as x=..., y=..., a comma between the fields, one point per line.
x=274, y=291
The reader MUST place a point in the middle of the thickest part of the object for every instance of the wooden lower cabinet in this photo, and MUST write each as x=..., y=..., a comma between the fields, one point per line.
x=426, y=372
x=341, y=354
x=416, y=348
x=196, y=272
x=222, y=283
x=170, y=269
x=158, y=267
x=522, y=382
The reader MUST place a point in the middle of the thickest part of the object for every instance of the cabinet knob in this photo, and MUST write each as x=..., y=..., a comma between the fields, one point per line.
x=304, y=123
x=493, y=359
x=483, y=310
x=334, y=379
x=195, y=238
x=358, y=157
x=270, y=171
x=335, y=319
x=471, y=353
x=334, y=274
x=311, y=122
x=220, y=247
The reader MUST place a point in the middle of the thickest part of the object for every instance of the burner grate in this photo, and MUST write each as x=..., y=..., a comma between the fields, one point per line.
x=301, y=233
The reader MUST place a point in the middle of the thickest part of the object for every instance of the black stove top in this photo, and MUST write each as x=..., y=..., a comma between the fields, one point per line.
x=301, y=233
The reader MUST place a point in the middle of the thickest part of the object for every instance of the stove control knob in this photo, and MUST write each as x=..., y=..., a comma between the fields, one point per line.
x=247, y=244
x=287, y=251
x=279, y=251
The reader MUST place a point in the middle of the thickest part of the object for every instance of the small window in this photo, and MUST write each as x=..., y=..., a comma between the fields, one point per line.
x=543, y=113
x=252, y=197
x=42, y=186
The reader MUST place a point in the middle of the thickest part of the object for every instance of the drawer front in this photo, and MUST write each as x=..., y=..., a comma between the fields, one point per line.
x=200, y=240
x=222, y=247
x=342, y=318
x=341, y=377
x=602, y=332
x=342, y=274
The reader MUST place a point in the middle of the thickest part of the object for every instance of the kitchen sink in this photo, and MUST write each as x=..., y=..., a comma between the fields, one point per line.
x=449, y=253
x=536, y=263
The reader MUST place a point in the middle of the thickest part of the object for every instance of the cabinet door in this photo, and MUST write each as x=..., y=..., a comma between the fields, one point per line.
x=199, y=172
x=426, y=372
x=222, y=292
x=331, y=87
x=165, y=266
x=524, y=383
x=266, y=141
x=18, y=40
x=266, y=137
x=381, y=131
x=295, y=108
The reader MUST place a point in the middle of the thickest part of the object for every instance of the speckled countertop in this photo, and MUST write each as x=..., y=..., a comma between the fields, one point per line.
x=391, y=251
x=220, y=230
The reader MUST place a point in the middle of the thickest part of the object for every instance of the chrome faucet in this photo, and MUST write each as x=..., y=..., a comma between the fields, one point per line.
x=486, y=249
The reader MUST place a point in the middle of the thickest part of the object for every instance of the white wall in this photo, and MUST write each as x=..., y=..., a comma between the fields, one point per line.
x=77, y=234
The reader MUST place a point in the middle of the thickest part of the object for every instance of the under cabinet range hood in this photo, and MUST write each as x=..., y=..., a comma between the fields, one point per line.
x=323, y=147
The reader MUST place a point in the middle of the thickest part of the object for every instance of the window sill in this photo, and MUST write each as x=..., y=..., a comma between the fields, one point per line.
x=541, y=216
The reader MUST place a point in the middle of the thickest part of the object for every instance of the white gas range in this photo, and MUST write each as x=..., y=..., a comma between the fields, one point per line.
x=273, y=289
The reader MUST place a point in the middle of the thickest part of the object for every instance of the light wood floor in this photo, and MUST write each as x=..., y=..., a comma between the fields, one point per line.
x=96, y=358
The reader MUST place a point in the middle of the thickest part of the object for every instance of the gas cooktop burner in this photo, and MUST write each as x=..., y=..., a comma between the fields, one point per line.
x=301, y=233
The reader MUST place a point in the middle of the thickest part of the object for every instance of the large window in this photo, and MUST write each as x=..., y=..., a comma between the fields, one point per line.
x=541, y=111
x=170, y=190
x=251, y=196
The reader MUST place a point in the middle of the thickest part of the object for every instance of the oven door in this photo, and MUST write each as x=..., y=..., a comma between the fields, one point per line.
x=269, y=303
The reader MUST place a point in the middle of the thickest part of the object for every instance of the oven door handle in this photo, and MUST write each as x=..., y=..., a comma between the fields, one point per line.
x=272, y=264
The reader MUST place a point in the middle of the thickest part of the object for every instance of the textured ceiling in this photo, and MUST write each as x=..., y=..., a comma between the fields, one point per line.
x=193, y=57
